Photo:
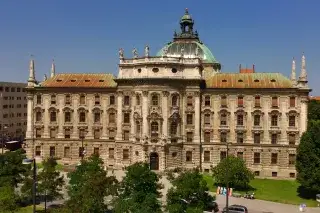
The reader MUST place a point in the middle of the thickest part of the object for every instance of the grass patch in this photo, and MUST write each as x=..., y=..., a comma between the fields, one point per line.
x=29, y=209
x=281, y=191
x=59, y=167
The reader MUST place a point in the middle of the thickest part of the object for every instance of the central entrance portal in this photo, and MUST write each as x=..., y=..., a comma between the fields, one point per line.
x=154, y=161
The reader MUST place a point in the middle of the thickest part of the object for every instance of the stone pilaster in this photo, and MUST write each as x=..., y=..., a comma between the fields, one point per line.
x=182, y=108
x=216, y=120
x=232, y=121
x=119, y=116
x=132, y=124
x=145, y=114
x=75, y=119
x=104, y=118
x=249, y=121
x=30, y=117
x=303, y=115
x=197, y=117
x=90, y=118
x=283, y=120
x=46, y=117
x=165, y=112
x=266, y=120
x=60, y=116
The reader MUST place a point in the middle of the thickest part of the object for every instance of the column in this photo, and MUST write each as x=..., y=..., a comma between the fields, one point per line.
x=90, y=104
x=266, y=120
x=46, y=117
x=232, y=121
x=104, y=118
x=196, y=117
x=132, y=123
x=60, y=117
x=144, y=114
x=29, y=133
x=165, y=112
x=216, y=121
x=119, y=116
x=249, y=122
x=75, y=119
x=283, y=120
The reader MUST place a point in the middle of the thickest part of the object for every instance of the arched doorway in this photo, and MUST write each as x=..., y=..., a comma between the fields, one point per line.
x=154, y=161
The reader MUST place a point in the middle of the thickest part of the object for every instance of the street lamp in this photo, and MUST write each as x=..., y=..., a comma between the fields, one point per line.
x=34, y=188
x=227, y=179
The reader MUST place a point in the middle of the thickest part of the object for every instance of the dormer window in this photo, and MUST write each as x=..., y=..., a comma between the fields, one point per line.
x=256, y=80
x=224, y=80
x=240, y=80
x=273, y=80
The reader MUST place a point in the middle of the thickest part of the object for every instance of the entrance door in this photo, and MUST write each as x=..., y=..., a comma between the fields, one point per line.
x=154, y=161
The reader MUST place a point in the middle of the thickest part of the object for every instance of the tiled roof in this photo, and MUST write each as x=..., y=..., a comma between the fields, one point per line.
x=248, y=80
x=80, y=80
x=316, y=98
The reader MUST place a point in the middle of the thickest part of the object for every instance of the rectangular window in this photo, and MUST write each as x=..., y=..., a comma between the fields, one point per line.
x=256, y=120
x=189, y=137
x=38, y=151
x=112, y=100
x=207, y=137
x=257, y=102
x=97, y=100
x=189, y=156
x=53, y=116
x=52, y=151
x=274, y=158
x=96, y=151
x=68, y=99
x=96, y=134
x=223, y=155
x=223, y=101
x=207, y=119
x=256, y=158
x=292, y=101
x=240, y=155
x=223, y=120
x=256, y=138
x=274, y=101
x=38, y=99
x=189, y=119
x=274, y=174
x=112, y=134
x=274, y=138
x=126, y=101
x=67, y=133
x=292, y=121
x=125, y=154
x=53, y=133
x=126, y=118
x=66, y=153
x=292, y=159
x=240, y=120
x=292, y=139
x=97, y=117
x=53, y=99
x=111, y=153
x=223, y=137
x=67, y=117
x=240, y=101
x=240, y=138
x=207, y=100
x=206, y=156
x=125, y=135
x=189, y=101
x=7, y=89
x=38, y=133
x=82, y=117
x=274, y=120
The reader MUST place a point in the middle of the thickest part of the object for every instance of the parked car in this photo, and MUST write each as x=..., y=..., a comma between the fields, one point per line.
x=236, y=209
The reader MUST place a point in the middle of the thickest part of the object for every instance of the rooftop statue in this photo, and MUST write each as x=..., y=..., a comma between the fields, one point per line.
x=146, y=51
x=121, y=53
x=135, y=53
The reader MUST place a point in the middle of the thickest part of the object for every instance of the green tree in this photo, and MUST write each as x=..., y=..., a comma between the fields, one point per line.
x=189, y=193
x=89, y=185
x=235, y=171
x=308, y=160
x=12, y=170
x=139, y=191
x=50, y=181
x=8, y=199
x=314, y=110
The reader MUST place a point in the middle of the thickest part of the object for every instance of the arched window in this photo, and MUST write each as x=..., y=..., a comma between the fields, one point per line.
x=38, y=116
x=137, y=100
x=154, y=100
x=138, y=127
x=173, y=128
x=174, y=100
x=53, y=116
x=154, y=126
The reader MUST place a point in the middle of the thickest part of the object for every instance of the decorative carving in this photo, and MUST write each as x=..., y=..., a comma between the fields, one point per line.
x=146, y=51
x=182, y=52
x=145, y=93
x=197, y=94
x=135, y=53
x=121, y=53
x=165, y=93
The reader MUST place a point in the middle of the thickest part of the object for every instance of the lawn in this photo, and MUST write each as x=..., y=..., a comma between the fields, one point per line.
x=28, y=209
x=282, y=191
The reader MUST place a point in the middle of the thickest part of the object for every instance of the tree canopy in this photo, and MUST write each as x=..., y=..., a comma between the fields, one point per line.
x=235, y=171
x=89, y=185
x=314, y=110
x=308, y=160
x=139, y=191
x=189, y=193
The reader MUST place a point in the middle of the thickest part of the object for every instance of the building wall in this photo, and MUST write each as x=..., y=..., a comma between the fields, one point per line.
x=132, y=137
x=13, y=113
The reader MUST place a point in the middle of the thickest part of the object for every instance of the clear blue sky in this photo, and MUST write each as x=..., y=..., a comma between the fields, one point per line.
x=84, y=36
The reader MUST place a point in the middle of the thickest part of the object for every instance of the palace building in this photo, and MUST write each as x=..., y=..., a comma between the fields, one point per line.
x=175, y=109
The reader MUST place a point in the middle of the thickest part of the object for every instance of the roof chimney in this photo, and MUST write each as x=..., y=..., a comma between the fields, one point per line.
x=247, y=70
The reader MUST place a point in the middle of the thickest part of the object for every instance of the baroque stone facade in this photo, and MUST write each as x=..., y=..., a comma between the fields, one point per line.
x=176, y=109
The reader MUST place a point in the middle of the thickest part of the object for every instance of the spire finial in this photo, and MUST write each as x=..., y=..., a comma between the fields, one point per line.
x=293, y=71
x=53, y=69
x=187, y=11
x=303, y=74
x=31, y=79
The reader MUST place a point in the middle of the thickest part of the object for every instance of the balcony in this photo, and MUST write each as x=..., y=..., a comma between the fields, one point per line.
x=257, y=127
x=240, y=127
x=224, y=127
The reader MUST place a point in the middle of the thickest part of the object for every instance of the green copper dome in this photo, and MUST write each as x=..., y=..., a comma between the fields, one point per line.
x=186, y=43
